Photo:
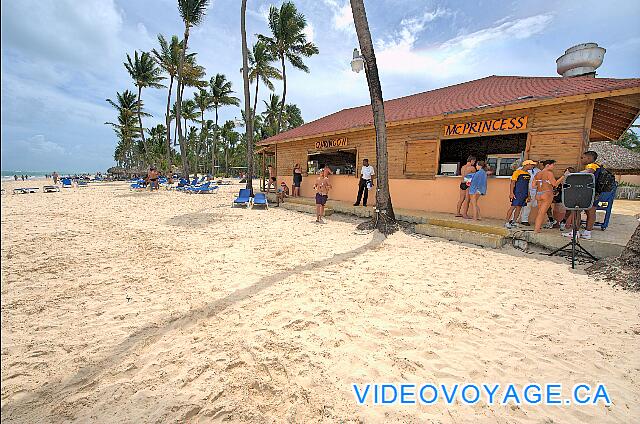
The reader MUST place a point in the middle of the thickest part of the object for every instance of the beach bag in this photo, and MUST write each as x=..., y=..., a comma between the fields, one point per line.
x=605, y=181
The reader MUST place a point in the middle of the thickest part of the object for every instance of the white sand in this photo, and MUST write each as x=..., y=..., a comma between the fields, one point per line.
x=264, y=316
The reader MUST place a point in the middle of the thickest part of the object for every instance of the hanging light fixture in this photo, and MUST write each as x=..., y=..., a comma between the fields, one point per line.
x=357, y=63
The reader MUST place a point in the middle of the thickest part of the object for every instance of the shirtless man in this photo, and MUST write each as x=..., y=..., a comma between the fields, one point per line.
x=322, y=188
x=272, y=179
x=463, y=201
x=152, y=176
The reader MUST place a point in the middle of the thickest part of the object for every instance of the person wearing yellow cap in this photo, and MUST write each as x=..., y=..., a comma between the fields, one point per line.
x=519, y=192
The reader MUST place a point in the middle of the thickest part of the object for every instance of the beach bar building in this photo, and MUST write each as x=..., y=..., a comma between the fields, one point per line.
x=501, y=119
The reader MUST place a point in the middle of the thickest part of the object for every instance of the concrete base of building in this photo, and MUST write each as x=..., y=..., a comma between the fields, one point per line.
x=486, y=233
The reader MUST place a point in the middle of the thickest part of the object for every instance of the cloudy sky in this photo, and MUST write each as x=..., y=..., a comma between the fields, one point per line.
x=62, y=58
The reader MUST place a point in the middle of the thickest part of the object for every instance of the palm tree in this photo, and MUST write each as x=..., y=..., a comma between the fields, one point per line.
x=203, y=101
x=288, y=42
x=261, y=70
x=126, y=129
x=385, y=218
x=293, y=116
x=192, y=13
x=270, y=114
x=220, y=96
x=228, y=136
x=247, y=96
x=168, y=58
x=145, y=73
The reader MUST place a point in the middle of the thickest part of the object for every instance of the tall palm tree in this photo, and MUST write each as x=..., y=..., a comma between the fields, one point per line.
x=145, y=73
x=203, y=101
x=221, y=95
x=168, y=58
x=192, y=13
x=288, y=42
x=385, y=218
x=247, y=95
x=260, y=59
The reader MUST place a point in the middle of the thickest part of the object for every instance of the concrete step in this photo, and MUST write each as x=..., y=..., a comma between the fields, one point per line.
x=300, y=207
x=486, y=239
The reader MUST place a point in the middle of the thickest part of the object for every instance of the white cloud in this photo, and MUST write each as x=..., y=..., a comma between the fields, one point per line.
x=410, y=28
x=309, y=32
x=342, y=17
x=455, y=56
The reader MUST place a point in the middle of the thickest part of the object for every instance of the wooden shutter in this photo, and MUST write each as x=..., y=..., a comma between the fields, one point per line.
x=421, y=158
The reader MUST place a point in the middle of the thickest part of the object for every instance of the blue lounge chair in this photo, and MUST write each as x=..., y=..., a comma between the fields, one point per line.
x=203, y=189
x=66, y=183
x=244, y=198
x=260, y=199
x=193, y=189
x=604, y=202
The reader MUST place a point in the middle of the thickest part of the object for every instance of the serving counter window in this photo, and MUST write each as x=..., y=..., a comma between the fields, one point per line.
x=500, y=152
x=341, y=161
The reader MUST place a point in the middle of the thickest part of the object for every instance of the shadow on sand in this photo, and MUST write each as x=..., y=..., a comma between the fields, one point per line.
x=39, y=405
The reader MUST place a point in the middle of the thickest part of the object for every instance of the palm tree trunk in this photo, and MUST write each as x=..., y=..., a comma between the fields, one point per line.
x=255, y=100
x=383, y=196
x=284, y=95
x=144, y=141
x=183, y=148
x=213, y=145
x=168, y=118
x=247, y=96
x=201, y=138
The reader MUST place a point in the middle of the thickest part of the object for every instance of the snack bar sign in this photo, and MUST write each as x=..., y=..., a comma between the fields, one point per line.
x=328, y=144
x=492, y=125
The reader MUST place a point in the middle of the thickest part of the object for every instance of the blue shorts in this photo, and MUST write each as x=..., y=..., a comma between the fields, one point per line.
x=519, y=201
x=321, y=199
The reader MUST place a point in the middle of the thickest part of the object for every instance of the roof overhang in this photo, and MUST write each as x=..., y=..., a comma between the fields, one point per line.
x=535, y=102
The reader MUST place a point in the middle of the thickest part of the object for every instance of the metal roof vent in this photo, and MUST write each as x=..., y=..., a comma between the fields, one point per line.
x=581, y=60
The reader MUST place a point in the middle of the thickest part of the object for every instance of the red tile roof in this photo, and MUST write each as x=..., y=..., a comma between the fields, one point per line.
x=490, y=91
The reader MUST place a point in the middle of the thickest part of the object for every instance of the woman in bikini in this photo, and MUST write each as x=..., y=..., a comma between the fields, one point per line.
x=544, y=182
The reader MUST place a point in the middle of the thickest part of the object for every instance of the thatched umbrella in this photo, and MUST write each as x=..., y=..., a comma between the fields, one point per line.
x=617, y=159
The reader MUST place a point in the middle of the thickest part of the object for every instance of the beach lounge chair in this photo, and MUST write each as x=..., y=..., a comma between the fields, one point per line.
x=260, y=199
x=203, y=189
x=25, y=190
x=244, y=198
x=66, y=183
x=82, y=183
x=50, y=189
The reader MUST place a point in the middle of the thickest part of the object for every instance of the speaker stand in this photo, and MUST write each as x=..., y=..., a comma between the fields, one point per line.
x=574, y=243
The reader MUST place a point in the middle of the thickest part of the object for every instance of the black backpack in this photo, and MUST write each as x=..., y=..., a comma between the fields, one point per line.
x=605, y=181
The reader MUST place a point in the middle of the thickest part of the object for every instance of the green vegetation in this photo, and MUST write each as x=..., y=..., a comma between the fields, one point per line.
x=205, y=145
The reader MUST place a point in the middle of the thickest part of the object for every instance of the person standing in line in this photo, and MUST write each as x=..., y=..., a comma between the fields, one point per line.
x=545, y=183
x=322, y=188
x=591, y=167
x=533, y=201
x=463, y=200
x=297, y=180
x=519, y=192
x=366, y=182
x=477, y=188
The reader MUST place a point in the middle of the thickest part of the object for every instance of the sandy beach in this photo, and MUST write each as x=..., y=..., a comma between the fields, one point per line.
x=131, y=307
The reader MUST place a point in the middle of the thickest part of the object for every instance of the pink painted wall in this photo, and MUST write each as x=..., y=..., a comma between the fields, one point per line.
x=438, y=195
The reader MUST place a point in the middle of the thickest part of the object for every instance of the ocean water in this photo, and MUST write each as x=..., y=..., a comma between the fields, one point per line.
x=8, y=175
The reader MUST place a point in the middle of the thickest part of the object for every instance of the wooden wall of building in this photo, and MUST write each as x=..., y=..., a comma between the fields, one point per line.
x=557, y=132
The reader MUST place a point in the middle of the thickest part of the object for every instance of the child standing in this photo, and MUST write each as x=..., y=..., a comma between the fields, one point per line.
x=519, y=192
